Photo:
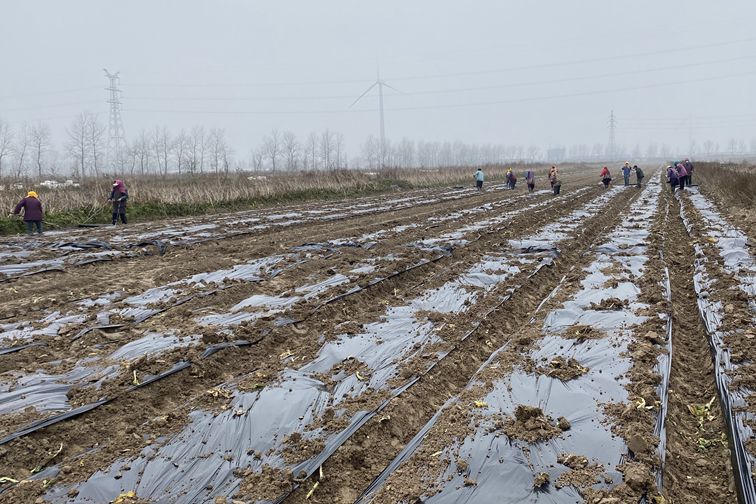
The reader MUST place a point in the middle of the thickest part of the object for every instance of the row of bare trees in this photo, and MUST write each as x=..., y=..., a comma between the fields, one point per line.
x=28, y=150
x=279, y=151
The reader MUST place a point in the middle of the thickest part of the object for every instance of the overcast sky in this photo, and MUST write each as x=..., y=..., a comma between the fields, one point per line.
x=542, y=72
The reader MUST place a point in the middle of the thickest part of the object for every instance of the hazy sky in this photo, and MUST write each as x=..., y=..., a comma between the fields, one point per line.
x=525, y=72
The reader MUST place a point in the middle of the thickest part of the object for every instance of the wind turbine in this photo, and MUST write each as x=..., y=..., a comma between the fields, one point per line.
x=380, y=83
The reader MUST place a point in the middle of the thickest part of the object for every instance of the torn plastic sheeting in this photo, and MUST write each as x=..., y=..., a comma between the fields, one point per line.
x=94, y=260
x=251, y=271
x=150, y=343
x=578, y=401
x=540, y=266
x=87, y=330
x=81, y=245
x=42, y=391
x=227, y=344
x=664, y=368
x=49, y=392
x=417, y=440
x=35, y=426
x=504, y=468
x=381, y=357
x=160, y=245
x=41, y=424
x=53, y=324
x=18, y=348
x=22, y=269
x=731, y=400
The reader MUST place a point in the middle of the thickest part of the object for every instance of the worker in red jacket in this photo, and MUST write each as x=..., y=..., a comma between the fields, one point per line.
x=33, y=212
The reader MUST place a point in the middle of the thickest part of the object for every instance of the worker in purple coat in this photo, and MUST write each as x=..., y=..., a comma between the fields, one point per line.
x=689, y=168
x=119, y=196
x=33, y=212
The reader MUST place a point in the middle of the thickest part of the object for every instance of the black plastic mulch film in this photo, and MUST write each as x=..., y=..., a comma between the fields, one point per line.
x=515, y=477
x=738, y=431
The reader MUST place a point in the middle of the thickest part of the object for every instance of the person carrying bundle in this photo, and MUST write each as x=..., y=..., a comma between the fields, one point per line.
x=119, y=196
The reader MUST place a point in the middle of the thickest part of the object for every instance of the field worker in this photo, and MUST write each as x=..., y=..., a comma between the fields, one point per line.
x=556, y=184
x=626, y=172
x=682, y=176
x=511, y=179
x=553, y=172
x=507, y=177
x=672, y=178
x=638, y=174
x=530, y=180
x=605, y=177
x=689, y=168
x=478, y=176
x=33, y=212
x=119, y=196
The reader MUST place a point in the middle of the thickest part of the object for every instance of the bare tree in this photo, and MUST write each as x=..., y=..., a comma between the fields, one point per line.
x=272, y=148
x=6, y=142
x=78, y=143
x=312, y=149
x=219, y=155
x=291, y=150
x=338, y=145
x=40, y=144
x=96, y=138
x=196, y=150
x=180, y=149
x=371, y=151
x=161, y=146
x=141, y=152
x=258, y=159
x=21, y=150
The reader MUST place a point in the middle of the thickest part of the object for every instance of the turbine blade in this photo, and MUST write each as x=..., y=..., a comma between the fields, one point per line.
x=392, y=87
x=363, y=94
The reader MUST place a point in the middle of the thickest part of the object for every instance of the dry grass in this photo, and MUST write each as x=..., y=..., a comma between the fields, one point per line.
x=154, y=197
x=732, y=184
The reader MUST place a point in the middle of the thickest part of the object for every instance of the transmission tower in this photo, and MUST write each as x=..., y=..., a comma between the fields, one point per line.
x=612, y=146
x=116, y=135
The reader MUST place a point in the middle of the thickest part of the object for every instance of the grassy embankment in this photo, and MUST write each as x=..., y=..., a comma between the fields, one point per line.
x=156, y=197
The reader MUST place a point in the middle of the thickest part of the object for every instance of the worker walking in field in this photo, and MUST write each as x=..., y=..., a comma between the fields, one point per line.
x=511, y=179
x=672, y=178
x=638, y=174
x=119, y=196
x=530, y=180
x=626, y=172
x=556, y=185
x=479, y=177
x=33, y=212
x=605, y=177
x=553, y=174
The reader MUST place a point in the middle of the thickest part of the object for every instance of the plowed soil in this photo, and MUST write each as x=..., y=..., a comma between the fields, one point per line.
x=293, y=354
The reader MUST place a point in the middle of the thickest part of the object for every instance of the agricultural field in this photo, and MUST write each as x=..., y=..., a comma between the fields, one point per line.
x=434, y=345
